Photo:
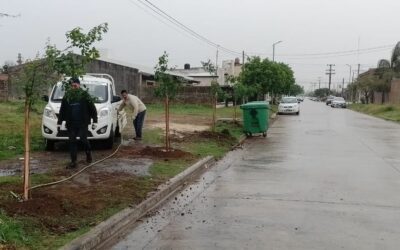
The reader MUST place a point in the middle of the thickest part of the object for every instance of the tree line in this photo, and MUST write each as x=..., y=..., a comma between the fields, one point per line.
x=263, y=76
x=377, y=80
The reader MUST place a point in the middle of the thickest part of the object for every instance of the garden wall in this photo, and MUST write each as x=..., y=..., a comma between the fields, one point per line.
x=187, y=94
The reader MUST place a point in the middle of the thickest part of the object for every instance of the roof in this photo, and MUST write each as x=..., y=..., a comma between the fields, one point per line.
x=140, y=68
x=146, y=70
x=203, y=74
x=186, y=77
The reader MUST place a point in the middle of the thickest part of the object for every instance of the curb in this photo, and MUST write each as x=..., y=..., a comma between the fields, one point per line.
x=239, y=144
x=103, y=232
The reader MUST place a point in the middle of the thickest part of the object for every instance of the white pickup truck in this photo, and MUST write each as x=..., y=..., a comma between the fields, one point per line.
x=110, y=122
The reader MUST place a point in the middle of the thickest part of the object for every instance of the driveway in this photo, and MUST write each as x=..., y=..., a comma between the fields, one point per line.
x=327, y=179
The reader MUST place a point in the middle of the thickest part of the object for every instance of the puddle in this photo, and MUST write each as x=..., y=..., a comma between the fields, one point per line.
x=15, y=168
x=7, y=172
x=180, y=127
x=10, y=172
x=138, y=167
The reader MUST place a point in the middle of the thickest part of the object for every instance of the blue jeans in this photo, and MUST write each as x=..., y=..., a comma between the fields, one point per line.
x=138, y=123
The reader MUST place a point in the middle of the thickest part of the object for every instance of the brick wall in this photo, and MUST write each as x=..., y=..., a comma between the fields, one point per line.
x=187, y=94
x=125, y=77
x=3, y=87
x=381, y=98
x=394, y=95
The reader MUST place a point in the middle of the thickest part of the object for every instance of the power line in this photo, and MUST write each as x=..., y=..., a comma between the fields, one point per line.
x=151, y=6
x=330, y=72
x=159, y=19
x=185, y=28
x=331, y=54
x=9, y=15
x=342, y=52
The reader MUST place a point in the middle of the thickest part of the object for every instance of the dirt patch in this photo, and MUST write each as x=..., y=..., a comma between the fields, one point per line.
x=138, y=167
x=72, y=205
x=180, y=127
x=4, y=247
x=153, y=153
x=42, y=162
x=222, y=137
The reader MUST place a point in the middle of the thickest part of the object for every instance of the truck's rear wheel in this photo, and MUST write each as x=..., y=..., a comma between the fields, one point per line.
x=49, y=144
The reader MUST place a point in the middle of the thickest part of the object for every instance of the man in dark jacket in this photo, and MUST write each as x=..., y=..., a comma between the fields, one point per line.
x=77, y=110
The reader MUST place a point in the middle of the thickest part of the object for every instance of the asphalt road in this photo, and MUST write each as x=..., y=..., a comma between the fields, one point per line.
x=327, y=179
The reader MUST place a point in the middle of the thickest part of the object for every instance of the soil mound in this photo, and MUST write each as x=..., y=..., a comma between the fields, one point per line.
x=153, y=152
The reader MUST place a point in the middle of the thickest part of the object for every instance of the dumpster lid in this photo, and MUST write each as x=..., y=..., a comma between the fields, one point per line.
x=257, y=105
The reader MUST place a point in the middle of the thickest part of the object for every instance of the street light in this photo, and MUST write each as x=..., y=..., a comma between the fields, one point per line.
x=350, y=73
x=350, y=81
x=273, y=50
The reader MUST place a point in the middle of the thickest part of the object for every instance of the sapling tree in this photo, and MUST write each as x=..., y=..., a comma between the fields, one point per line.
x=167, y=88
x=215, y=89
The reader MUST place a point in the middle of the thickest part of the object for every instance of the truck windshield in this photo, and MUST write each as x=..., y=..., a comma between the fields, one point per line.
x=289, y=100
x=98, y=90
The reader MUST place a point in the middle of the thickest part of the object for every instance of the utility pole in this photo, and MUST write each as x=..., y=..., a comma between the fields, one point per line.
x=19, y=61
x=313, y=84
x=319, y=82
x=350, y=73
x=358, y=70
x=342, y=86
x=273, y=50
x=330, y=72
x=243, y=57
x=216, y=59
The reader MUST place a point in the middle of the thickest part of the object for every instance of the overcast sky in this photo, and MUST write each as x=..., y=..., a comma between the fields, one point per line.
x=137, y=35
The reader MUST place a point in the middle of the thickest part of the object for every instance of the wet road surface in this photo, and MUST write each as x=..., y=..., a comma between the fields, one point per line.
x=327, y=179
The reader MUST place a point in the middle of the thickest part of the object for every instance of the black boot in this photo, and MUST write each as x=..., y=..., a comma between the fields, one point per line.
x=71, y=165
x=89, y=157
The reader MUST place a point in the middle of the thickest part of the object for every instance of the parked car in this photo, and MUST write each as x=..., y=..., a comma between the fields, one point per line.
x=289, y=105
x=329, y=100
x=300, y=98
x=338, y=102
x=110, y=123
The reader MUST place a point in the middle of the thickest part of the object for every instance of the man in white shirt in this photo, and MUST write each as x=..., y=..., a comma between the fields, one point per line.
x=139, y=111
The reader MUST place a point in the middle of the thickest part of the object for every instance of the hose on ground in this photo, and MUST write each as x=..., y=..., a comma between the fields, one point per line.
x=77, y=173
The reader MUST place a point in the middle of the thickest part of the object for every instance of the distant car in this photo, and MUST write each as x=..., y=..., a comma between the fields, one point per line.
x=329, y=100
x=289, y=105
x=338, y=102
x=300, y=98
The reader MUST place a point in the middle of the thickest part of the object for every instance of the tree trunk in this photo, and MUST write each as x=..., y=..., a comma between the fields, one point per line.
x=27, y=151
x=214, y=112
x=167, y=144
x=234, y=110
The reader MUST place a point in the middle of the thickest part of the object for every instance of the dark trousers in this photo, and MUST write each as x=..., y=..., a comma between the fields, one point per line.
x=81, y=132
x=138, y=123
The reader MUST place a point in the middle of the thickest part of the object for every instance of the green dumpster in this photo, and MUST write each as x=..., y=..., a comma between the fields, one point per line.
x=255, y=118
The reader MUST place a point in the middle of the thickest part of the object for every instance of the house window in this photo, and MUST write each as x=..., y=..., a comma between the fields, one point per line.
x=150, y=83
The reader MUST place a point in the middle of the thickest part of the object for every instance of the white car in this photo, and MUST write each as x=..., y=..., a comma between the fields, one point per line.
x=289, y=105
x=338, y=102
x=110, y=123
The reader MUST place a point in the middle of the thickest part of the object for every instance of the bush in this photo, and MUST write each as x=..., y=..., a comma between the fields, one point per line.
x=388, y=109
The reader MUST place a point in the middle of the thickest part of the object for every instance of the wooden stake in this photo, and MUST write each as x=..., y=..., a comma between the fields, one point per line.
x=234, y=108
x=215, y=112
x=167, y=144
x=27, y=152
